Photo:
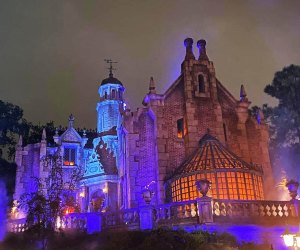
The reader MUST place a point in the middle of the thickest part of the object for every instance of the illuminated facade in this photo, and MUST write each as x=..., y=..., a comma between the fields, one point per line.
x=157, y=146
x=230, y=177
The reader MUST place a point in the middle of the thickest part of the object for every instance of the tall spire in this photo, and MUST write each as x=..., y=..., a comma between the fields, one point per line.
x=243, y=94
x=201, y=44
x=188, y=43
x=152, y=86
x=71, y=121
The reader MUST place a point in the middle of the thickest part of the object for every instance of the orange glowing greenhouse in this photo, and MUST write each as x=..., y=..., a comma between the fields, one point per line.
x=230, y=176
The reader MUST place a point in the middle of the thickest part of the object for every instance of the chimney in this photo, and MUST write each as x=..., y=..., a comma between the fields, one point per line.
x=188, y=43
x=202, y=50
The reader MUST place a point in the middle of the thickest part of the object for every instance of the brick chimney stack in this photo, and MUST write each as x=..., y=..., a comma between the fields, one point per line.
x=202, y=50
x=188, y=43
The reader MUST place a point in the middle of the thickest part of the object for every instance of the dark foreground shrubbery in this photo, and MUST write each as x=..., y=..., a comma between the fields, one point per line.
x=155, y=240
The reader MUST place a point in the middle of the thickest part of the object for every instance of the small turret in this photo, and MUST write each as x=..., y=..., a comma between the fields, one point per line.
x=71, y=121
x=188, y=43
x=260, y=116
x=243, y=94
x=44, y=136
x=201, y=44
x=56, y=136
x=152, y=89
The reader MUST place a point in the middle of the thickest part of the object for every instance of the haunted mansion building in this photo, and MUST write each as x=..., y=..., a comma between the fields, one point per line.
x=195, y=130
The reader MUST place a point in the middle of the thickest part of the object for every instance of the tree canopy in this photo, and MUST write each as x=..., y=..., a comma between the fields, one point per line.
x=284, y=119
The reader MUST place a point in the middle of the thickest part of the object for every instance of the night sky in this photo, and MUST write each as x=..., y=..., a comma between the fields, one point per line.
x=52, y=52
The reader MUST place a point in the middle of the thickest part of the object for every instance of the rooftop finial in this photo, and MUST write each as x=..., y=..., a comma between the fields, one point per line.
x=152, y=86
x=201, y=44
x=111, y=68
x=188, y=43
x=20, y=141
x=44, y=137
x=243, y=94
x=71, y=121
x=260, y=116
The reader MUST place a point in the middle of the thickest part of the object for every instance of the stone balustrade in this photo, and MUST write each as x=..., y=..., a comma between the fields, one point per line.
x=178, y=211
x=258, y=212
x=129, y=218
x=73, y=221
x=194, y=212
x=17, y=225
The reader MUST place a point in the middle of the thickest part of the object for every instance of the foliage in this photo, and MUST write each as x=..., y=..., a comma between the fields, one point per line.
x=284, y=119
x=49, y=197
x=8, y=175
x=11, y=123
x=157, y=239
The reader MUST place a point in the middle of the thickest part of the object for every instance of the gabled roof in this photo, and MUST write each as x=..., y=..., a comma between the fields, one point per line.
x=70, y=135
x=212, y=155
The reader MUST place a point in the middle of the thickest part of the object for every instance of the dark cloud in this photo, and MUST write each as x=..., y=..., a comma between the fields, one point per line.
x=51, y=52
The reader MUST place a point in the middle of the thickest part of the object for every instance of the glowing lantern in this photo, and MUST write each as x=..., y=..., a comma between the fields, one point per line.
x=297, y=237
x=69, y=210
x=288, y=238
x=105, y=189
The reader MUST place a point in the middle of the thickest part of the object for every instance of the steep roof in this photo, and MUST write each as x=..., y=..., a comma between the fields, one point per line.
x=213, y=155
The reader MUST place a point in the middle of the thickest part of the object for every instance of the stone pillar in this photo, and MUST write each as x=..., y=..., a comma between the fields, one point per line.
x=94, y=222
x=146, y=218
x=242, y=113
x=205, y=212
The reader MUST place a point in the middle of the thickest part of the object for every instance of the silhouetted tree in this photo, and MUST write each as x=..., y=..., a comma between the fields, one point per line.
x=284, y=119
x=49, y=198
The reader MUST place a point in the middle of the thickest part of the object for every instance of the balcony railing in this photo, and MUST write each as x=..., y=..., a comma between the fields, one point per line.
x=195, y=212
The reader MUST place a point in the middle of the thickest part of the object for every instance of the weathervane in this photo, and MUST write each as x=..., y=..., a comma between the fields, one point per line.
x=110, y=66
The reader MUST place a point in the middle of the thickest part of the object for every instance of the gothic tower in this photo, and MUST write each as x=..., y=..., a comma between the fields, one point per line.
x=101, y=180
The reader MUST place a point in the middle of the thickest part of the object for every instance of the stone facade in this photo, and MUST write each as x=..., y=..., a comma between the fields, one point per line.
x=139, y=150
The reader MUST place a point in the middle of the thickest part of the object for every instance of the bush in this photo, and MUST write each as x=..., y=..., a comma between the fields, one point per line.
x=160, y=239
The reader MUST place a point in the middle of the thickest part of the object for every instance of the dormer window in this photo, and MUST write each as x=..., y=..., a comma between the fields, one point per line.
x=201, y=84
x=69, y=156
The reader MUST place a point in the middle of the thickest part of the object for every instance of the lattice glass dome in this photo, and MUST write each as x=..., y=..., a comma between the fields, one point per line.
x=231, y=177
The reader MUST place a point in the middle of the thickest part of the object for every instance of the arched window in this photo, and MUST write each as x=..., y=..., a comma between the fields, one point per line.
x=113, y=94
x=201, y=84
x=69, y=156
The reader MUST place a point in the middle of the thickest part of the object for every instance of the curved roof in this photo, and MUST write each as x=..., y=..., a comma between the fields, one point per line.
x=212, y=155
x=110, y=80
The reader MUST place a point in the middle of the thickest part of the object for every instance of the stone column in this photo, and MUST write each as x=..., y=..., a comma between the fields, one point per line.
x=205, y=212
x=94, y=222
x=146, y=218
